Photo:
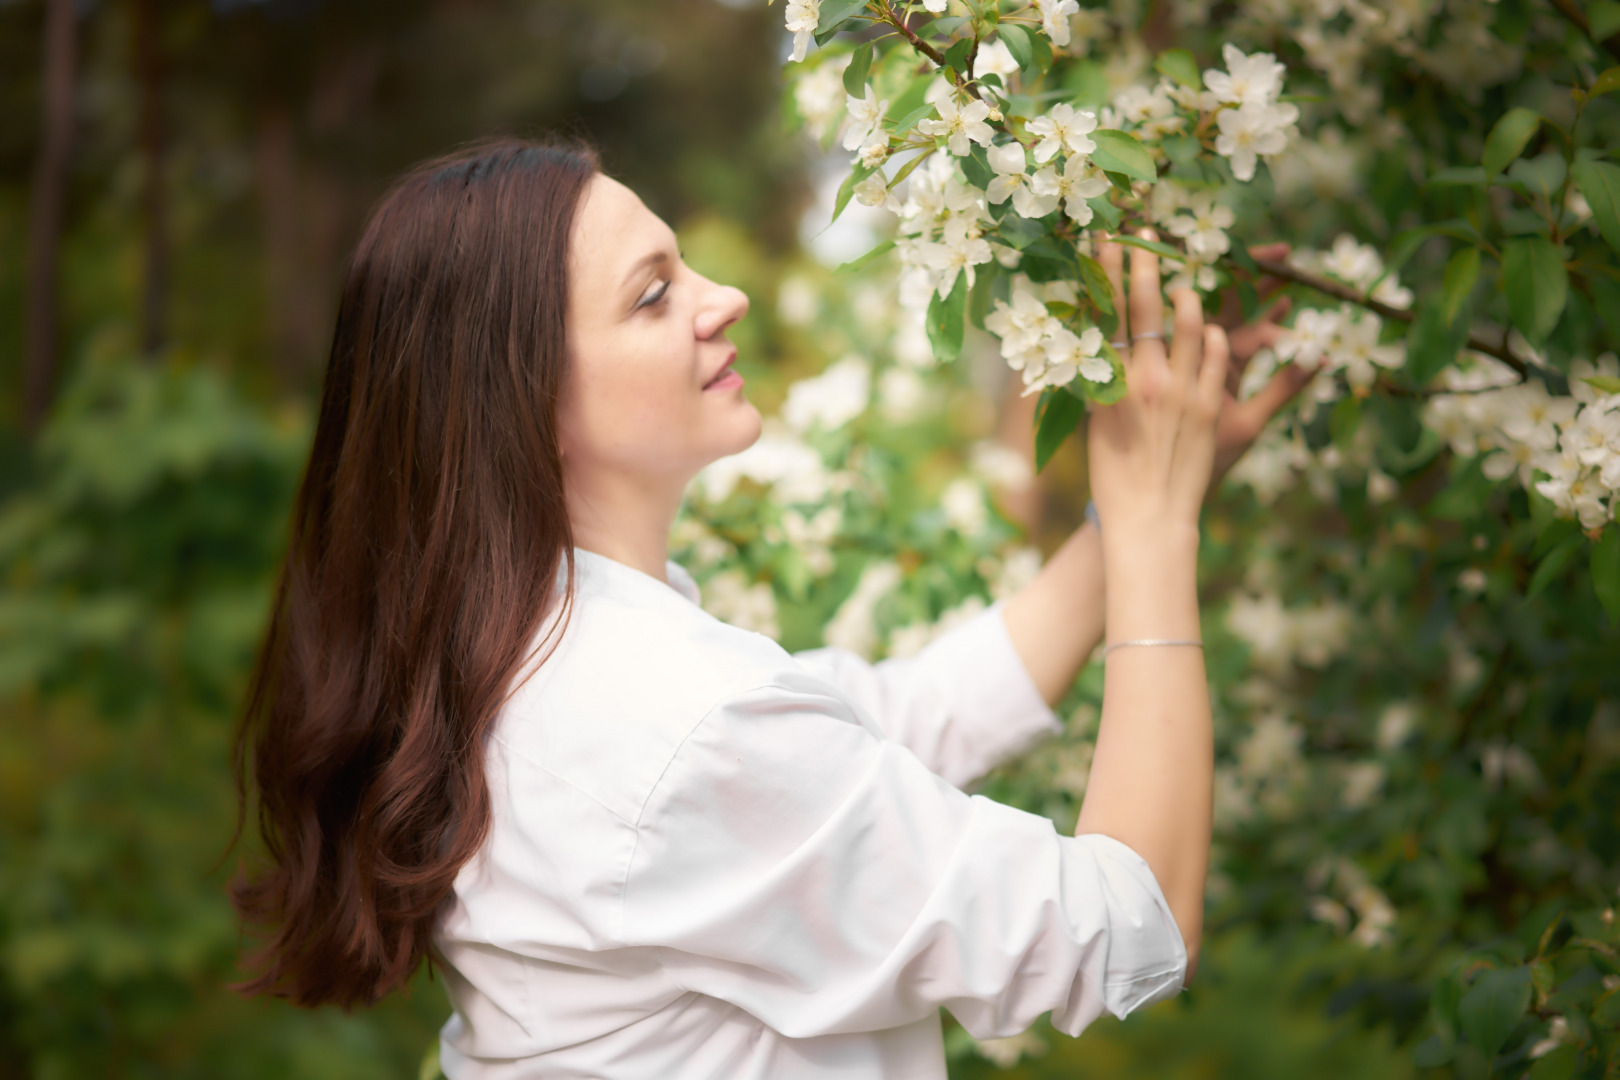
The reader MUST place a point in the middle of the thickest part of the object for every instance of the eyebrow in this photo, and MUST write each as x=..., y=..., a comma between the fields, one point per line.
x=650, y=259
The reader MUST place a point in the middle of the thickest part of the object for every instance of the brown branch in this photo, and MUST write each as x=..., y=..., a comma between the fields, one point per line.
x=1571, y=11
x=1283, y=272
x=910, y=35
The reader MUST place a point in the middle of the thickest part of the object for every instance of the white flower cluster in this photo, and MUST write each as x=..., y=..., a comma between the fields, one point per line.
x=1358, y=900
x=1036, y=343
x=1340, y=339
x=941, y=235
x=1565, y=448
x=1253, y=123
x=1357, y=265
x=1278, y=636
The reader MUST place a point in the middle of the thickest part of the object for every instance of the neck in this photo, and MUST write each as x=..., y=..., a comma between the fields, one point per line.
x=625, y=519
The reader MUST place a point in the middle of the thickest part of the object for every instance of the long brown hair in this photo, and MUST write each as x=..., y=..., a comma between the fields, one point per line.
x=427, y=541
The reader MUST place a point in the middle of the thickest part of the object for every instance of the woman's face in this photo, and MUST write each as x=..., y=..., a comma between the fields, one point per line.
x=650, y=396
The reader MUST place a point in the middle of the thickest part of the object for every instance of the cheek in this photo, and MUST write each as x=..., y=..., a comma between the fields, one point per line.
x=638, y=404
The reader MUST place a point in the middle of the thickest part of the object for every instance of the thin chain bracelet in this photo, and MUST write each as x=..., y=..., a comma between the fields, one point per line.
x=1150, y=641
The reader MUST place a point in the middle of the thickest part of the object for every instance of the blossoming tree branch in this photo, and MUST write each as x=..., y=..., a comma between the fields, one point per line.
x=966, y=120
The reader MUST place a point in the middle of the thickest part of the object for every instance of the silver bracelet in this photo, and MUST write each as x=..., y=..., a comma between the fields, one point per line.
x=1150, y=641
x=1155, y=335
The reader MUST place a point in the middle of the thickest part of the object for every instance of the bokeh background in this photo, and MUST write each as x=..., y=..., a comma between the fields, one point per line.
x=170, y=248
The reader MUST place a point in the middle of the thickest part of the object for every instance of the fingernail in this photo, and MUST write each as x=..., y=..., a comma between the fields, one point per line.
x=1148, y=234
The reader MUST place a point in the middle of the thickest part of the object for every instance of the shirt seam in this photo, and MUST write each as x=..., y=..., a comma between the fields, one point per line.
x=559, y=777
x=635, y=826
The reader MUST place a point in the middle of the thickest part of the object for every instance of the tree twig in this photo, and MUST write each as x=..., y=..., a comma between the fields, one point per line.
x=1283, y=272
x=910, y=35
x=1569, y=10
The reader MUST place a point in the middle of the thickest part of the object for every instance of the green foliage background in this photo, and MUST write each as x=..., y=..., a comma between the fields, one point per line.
x=139, y=530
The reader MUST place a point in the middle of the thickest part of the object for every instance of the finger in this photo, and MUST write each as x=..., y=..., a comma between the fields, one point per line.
x=1146, y=301
x=1112, y=257
x=1187, y=341
x=1273, y=252
x=1278, y=391
x=1278, y=311
x=1212, y=372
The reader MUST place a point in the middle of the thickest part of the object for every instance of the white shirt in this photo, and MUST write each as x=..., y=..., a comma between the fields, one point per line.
x=711, y=859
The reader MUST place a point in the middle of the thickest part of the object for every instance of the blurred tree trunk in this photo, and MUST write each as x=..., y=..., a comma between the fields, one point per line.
x=291, y=302
x=45, y=217
x=154, y=224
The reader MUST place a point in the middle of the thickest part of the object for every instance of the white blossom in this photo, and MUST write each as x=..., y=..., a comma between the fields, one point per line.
x=1012, y=181
x=1253, y=79
x=729, y=597
x=853, y=626
x=1250, y=131
x=819, y=95
x=1055, y=18
x=1203, y=226
x=866, y=118
x=960, y=124
x=802, y=18
x=1067, y=355
x=829, y=400
x=964, y=506
x=1065, y=129
x=1079, y=181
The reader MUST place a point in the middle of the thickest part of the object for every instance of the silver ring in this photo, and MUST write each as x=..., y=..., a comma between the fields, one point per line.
x=1147, y=334
x=1120, y=344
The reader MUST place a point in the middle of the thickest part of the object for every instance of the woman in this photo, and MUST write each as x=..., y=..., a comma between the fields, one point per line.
x=490, y=721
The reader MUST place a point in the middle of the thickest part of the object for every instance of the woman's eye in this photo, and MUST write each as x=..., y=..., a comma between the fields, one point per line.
x=655, y=295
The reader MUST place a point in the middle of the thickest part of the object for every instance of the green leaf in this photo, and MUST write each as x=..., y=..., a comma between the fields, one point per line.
x=847, y=189
x=1344, y=421
x=1606, y=83
x=1104, y=393
x=976, y=167
x=1109, y=214
x=1559, y=1064
x=1542, y=175
x=1016, y=38
x=866, y=260
x=1546, y=573
x=1606, y=571
x=1095, y=280
x=1493, y=1006
x=1179, y=66
x=1119, y=152
x=1603, y=384
x=1433, y=342
x=1431, y=1053
x=1460, y=176
x=1042, y=48
x=1462, y=271
x=1508, y=138
x=834, y=13
x=1158, y=247
x=855, y=74
x=1536, y=283
x=945, y=320
x=956, y=57
x=1019, y=232
x=1600, y=183
x=982, y=296
x=1604, y=19
x=1059, y=414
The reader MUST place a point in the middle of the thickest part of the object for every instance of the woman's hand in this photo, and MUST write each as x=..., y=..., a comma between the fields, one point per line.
x=1242, y=421
x=1153, y=452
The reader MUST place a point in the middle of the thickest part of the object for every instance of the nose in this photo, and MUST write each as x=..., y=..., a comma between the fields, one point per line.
x=722, y=305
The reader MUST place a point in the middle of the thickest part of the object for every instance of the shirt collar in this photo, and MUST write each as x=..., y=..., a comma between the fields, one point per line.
x=680, y=582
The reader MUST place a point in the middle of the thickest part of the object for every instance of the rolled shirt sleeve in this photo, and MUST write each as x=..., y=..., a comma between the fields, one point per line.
x=822, y=879
x=963, y=705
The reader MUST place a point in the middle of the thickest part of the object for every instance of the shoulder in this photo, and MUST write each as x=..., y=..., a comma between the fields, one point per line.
x=636, y=669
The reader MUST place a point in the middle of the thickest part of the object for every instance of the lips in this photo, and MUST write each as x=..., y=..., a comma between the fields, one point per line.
x=723, y=373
